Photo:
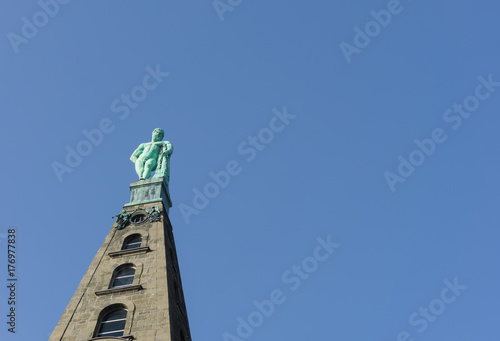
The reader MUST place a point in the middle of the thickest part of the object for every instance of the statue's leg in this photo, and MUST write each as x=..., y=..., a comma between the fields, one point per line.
x=139, y=168
x=148, y=168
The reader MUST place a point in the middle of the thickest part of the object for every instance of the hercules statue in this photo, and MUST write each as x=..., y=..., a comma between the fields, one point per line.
x=154, y=155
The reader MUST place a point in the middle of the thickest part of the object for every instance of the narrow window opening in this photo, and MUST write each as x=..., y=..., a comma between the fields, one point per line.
x=132, y=242
x=112, y=323
x=123, y=276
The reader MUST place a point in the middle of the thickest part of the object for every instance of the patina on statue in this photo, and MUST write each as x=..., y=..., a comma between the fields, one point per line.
x=154, y=155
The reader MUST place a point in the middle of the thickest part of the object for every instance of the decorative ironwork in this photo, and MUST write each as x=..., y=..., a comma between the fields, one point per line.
x=123, y=218
x=138, y=218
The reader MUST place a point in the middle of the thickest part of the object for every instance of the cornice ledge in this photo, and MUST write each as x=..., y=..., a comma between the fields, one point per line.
x=143, y=249
x=120, y=289
x=104, y=338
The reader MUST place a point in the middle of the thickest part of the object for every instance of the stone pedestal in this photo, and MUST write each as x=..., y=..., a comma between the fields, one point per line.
x=150, y=190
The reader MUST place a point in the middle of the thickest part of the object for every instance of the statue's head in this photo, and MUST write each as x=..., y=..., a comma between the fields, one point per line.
x=158, y=134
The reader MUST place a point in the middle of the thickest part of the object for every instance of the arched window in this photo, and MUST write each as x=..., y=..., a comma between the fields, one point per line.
x=112, y=323
x=124, y=275
x=132, y=242
x=138, y=218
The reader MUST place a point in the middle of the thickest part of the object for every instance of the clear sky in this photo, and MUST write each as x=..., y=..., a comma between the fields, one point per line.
x=362, y=135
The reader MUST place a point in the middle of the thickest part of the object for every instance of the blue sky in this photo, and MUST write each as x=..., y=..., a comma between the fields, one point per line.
x=390, y=151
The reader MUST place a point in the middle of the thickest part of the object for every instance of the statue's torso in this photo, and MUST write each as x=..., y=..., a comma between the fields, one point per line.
x=151, y=150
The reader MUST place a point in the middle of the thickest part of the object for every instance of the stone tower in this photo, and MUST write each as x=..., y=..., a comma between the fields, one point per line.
x=132, y=289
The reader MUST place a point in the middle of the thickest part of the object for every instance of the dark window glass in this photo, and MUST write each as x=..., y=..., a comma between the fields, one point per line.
x=112, y=326
x=113, y=323
x=132, y=242
x=124, y=276
x=117, y=314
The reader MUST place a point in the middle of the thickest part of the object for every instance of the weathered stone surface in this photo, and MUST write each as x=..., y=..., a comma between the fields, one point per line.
x=155, y=312
x=148, y=191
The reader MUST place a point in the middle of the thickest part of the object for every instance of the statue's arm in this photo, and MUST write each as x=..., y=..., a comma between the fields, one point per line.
x=137, y=153
x=169, y=149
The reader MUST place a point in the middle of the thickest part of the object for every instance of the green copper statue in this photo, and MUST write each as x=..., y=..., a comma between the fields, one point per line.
x=154, y=155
